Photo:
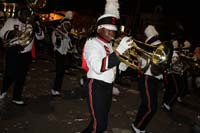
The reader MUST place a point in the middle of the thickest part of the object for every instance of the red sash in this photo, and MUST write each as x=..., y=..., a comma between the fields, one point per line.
x=33, y=52
x=84, y=63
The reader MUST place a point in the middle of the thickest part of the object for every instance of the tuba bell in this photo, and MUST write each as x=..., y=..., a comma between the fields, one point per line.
x=17, y=37
x=36, y=4
x=158, y=56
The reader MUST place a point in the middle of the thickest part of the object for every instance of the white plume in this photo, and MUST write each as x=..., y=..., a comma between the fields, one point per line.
x=112, y=7
x=150, y=31
x=69, y=15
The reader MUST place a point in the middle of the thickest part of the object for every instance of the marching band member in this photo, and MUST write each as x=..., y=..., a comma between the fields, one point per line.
x=62, y=43
x=38, y=42
x=181, y=68
x=197, y=78
x=148, y=85
x=100, y=64
x=18, y=53
x=177, y=75
x=173, y=82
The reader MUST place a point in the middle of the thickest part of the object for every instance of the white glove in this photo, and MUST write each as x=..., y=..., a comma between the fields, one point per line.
x=115, y=91
x=124, y=45
x=122, y=66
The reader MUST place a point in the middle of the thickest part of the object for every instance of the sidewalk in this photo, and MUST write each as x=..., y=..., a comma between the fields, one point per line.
x=69, y=113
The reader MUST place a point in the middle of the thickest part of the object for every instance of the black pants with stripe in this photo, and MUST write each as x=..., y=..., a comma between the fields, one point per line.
x=99, y=101
x=174, y=85
x=148, y=88
x=60, y=70
x=16, y=68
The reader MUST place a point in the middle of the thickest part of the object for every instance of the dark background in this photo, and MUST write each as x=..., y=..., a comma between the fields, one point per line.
x=185, y=12
x=171, y=7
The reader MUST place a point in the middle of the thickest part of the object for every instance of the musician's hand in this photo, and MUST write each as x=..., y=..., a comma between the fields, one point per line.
x=122, y=66
x=124, y=45
x=19, y=47
x=58, y=42
x=37, y=28
x=11, y=34
x=15, y=49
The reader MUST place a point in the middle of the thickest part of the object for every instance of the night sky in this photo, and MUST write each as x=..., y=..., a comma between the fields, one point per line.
x=171, y=7
x=188, y=11
x=177, y=7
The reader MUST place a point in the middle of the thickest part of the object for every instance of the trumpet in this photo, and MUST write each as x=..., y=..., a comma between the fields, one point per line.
x=158, y=56
x=190, y=61
x=63, y=33
x=60, y=32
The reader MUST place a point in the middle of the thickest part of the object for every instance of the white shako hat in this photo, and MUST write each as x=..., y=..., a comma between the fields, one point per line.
x=109, y=20
x=68, y=17
x=152, y=35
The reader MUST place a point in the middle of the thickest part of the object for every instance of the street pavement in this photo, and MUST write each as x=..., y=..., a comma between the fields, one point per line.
x=69, y=113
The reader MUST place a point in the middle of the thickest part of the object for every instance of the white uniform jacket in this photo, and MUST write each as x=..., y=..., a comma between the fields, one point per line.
x=97, y=60
x=64, y=40
x=148, y=71
x=9, y=26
